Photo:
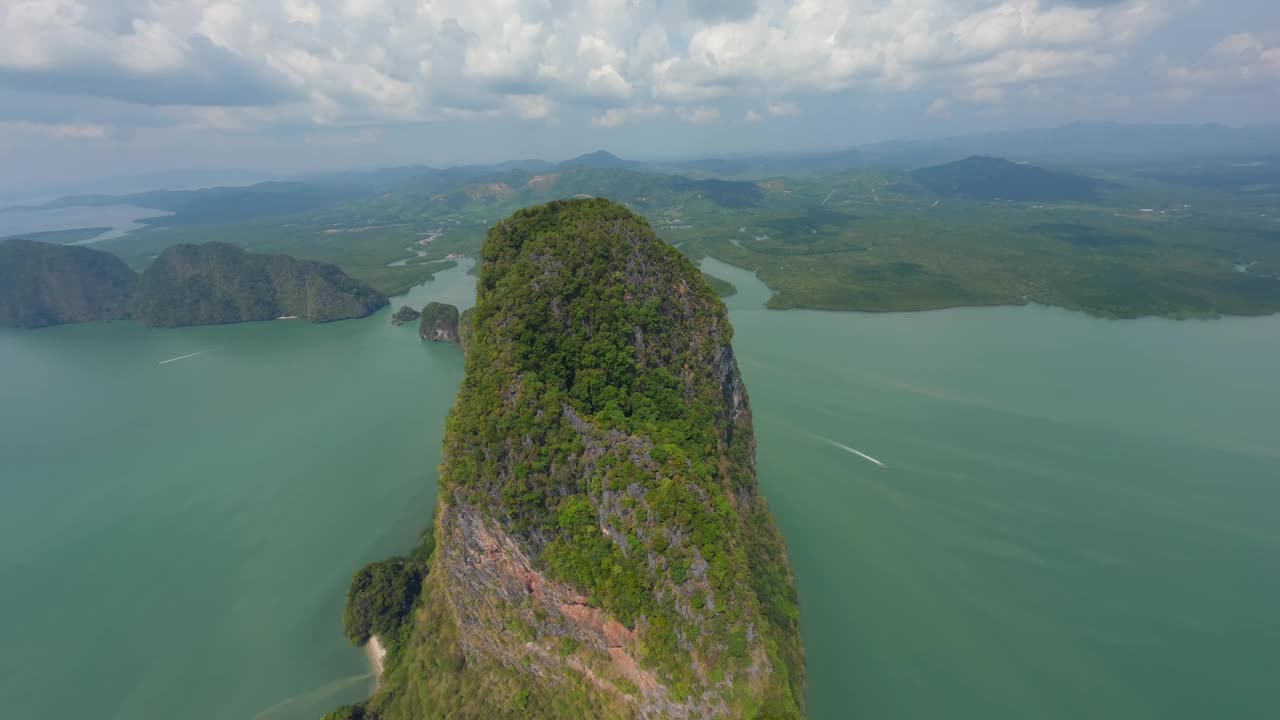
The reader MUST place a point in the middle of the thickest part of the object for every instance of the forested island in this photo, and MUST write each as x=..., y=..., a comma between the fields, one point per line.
x=44, y=284
x=215, y=283
x=439, y=323
x=600, y=548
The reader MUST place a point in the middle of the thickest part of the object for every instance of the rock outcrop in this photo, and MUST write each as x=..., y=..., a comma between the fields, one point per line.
x=439, y=323
x=215, y=283
x=601, y=546
x=404, y=315
x=44, y=284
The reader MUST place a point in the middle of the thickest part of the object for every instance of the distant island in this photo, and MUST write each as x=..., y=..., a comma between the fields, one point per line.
x=61, y=237
x=216, y=283
x=601, y=548
x=404, y=315
x=44, y=284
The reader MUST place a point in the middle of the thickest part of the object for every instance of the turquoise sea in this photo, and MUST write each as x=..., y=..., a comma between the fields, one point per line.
x=1079, y=517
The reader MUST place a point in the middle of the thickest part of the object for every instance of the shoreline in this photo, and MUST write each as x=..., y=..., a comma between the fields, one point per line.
x=377, y=656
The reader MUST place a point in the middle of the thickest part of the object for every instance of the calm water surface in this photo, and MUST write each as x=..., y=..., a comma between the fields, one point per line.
x=176, y=539
x=120, y=218
x=1079, y=518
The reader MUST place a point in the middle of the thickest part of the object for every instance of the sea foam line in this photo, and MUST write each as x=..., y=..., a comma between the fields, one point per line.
x=846, y=448
x=184, y=357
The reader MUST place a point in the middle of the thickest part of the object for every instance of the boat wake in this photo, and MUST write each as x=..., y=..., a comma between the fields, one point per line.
x=314, y=696
x=184, y=357
x=848, y=449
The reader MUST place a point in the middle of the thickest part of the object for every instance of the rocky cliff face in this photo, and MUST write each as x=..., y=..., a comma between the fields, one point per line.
x=44, y=284
x=602, y=549
x=215, y=283
x=439, y=323
x=464, y=329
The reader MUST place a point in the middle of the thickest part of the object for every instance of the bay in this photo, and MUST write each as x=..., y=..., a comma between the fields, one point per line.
x=176, y=539
x=1077, y=517
x=119, y=218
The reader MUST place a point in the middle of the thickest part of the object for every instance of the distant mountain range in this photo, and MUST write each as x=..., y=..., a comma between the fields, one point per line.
x=1075, y=144
x=1079, y=143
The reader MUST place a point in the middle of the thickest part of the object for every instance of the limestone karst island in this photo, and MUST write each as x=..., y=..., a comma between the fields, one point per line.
x=600, y=548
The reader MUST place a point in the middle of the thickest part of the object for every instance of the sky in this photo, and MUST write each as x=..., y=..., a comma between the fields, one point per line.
x=95, y=89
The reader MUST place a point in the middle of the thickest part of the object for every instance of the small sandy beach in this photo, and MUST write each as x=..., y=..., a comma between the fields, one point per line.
x=377, y=654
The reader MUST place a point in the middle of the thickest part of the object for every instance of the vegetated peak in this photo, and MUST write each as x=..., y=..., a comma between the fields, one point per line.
x=599, y=159
x=44, y=284
x=601, y=546
x=981, y=177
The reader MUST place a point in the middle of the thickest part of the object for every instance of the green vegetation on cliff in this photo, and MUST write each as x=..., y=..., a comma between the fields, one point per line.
x=380, y=598
x=44, y=284
x=383, y=594
x=216, y=283
x=602, y=546
x=464, y=328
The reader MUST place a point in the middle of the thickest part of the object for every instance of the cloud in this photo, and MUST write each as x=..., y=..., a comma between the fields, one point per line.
x=618, y=116
x=606, y=82
x=987, y=95
x=819, y=47
x=533, y=107
x=60, y=131
x=699, y=115
x=1238, y=62
x=152, y=68
x=333, y=63
x=751, y=117
x=940, y=107
x=780, y=109
x=722, y=10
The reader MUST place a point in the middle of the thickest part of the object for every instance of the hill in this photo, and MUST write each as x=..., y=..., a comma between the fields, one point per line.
x=216, y=283
x=600, y=159
x=44, y=284
x=987, y=178
x=601, y=548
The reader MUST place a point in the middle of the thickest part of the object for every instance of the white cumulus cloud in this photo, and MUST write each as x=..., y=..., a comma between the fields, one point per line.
x=365, y=62
x=1241, y=61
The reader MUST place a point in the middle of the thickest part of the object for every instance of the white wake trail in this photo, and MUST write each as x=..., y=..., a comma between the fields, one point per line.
x=184, y=357
x=314, y=696
x=846, y=448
